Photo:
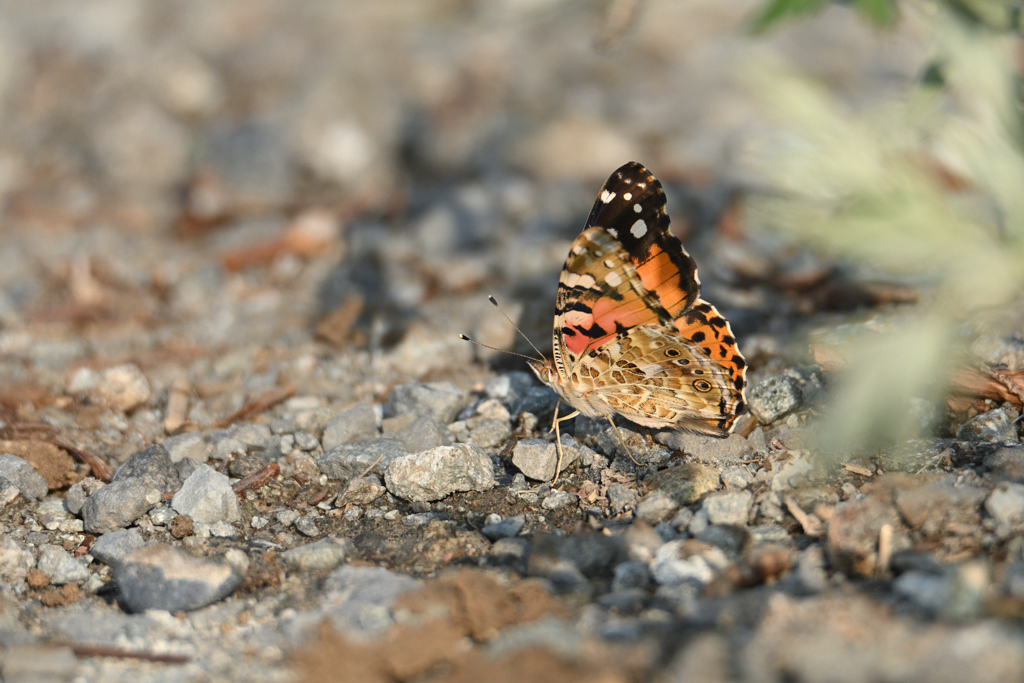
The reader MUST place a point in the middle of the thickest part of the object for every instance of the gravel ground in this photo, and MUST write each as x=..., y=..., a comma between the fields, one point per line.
x=241, y=440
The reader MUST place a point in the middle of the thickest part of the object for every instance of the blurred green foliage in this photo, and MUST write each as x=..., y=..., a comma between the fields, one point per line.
x=880, y=12
x=927, y=183
x=1000, y=15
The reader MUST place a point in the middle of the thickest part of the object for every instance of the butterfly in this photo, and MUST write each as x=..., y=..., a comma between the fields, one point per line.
x=631, y=336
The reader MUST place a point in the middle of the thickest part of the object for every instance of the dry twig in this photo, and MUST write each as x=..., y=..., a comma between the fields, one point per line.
x=100, y=469
x=257, y=405
x=256, y=479
x=884, y=549
x=106, y=651
x=177, y=404
x=812, y=526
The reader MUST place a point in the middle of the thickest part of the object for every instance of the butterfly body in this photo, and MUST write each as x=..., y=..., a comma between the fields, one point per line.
x=631, y=335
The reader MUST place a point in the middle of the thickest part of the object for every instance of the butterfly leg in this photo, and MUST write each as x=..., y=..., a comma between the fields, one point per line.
x=622, y=441
x=558, y=437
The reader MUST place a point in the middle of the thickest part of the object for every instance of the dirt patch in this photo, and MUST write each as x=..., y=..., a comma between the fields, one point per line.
x=53, y=463
x=37, y=579
x=480, y=605
x=64, y=595
x=472, y=608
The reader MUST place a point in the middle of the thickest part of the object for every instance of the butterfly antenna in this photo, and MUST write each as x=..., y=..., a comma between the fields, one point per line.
x=492, y=348
x=495, y=302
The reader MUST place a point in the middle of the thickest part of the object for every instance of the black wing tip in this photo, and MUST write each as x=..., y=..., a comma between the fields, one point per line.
x=631, y=169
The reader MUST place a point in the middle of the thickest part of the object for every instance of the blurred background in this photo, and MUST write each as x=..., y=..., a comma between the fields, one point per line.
x=330, y=189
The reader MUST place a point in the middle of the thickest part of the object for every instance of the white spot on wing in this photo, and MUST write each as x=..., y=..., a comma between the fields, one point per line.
x=613, y=232
x=637, y=208
x=627, y=196
x=608, y=263
x=613, y=278
x=607, y=196
x=639, y=229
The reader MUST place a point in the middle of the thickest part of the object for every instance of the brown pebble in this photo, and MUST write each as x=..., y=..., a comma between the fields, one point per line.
x=181, y=526
x=37, y=579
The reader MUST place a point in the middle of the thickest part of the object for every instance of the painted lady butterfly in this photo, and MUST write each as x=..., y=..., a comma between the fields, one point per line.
x=632, y=337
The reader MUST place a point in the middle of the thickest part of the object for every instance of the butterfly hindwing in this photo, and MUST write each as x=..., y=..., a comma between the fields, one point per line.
x=705, y=327
x=656, y=379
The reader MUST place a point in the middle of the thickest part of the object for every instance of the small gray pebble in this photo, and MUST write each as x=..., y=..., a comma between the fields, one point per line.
x=352, y=424
x=510, y=550
x=421, y=435
x=286, y=517
x=188, y=445
x=621, y=497
x=728, y=507
x=556, y=500
x=118, y=504
x=994, y=426
x=630, y=575
x=507, y=528
x=79, y=492
x=254, y=436
x=61, y=566
x=226, y=448
x=349, y=460
x=50, y=512
x=20, y=473
x=438, y=400
x=774, y=398
x=361, y=491
x=158, y=576
x=432, y=475
x=306, y=442
x=207, y=497
x=322, y=555
x=307, y=526
x=537, y=458
x=656, y=507
x=221, y=529
x=162, y=515
x=666, y=531
x=153, y=465
x=736, y=477
x=109, y=548
x=421, y=518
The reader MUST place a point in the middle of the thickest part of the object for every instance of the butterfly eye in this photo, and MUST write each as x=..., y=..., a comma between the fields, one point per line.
x=702, y=385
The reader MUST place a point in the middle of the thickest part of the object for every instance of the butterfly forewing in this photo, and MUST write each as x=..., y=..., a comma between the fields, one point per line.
x=600, y=294
x=631, y=207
